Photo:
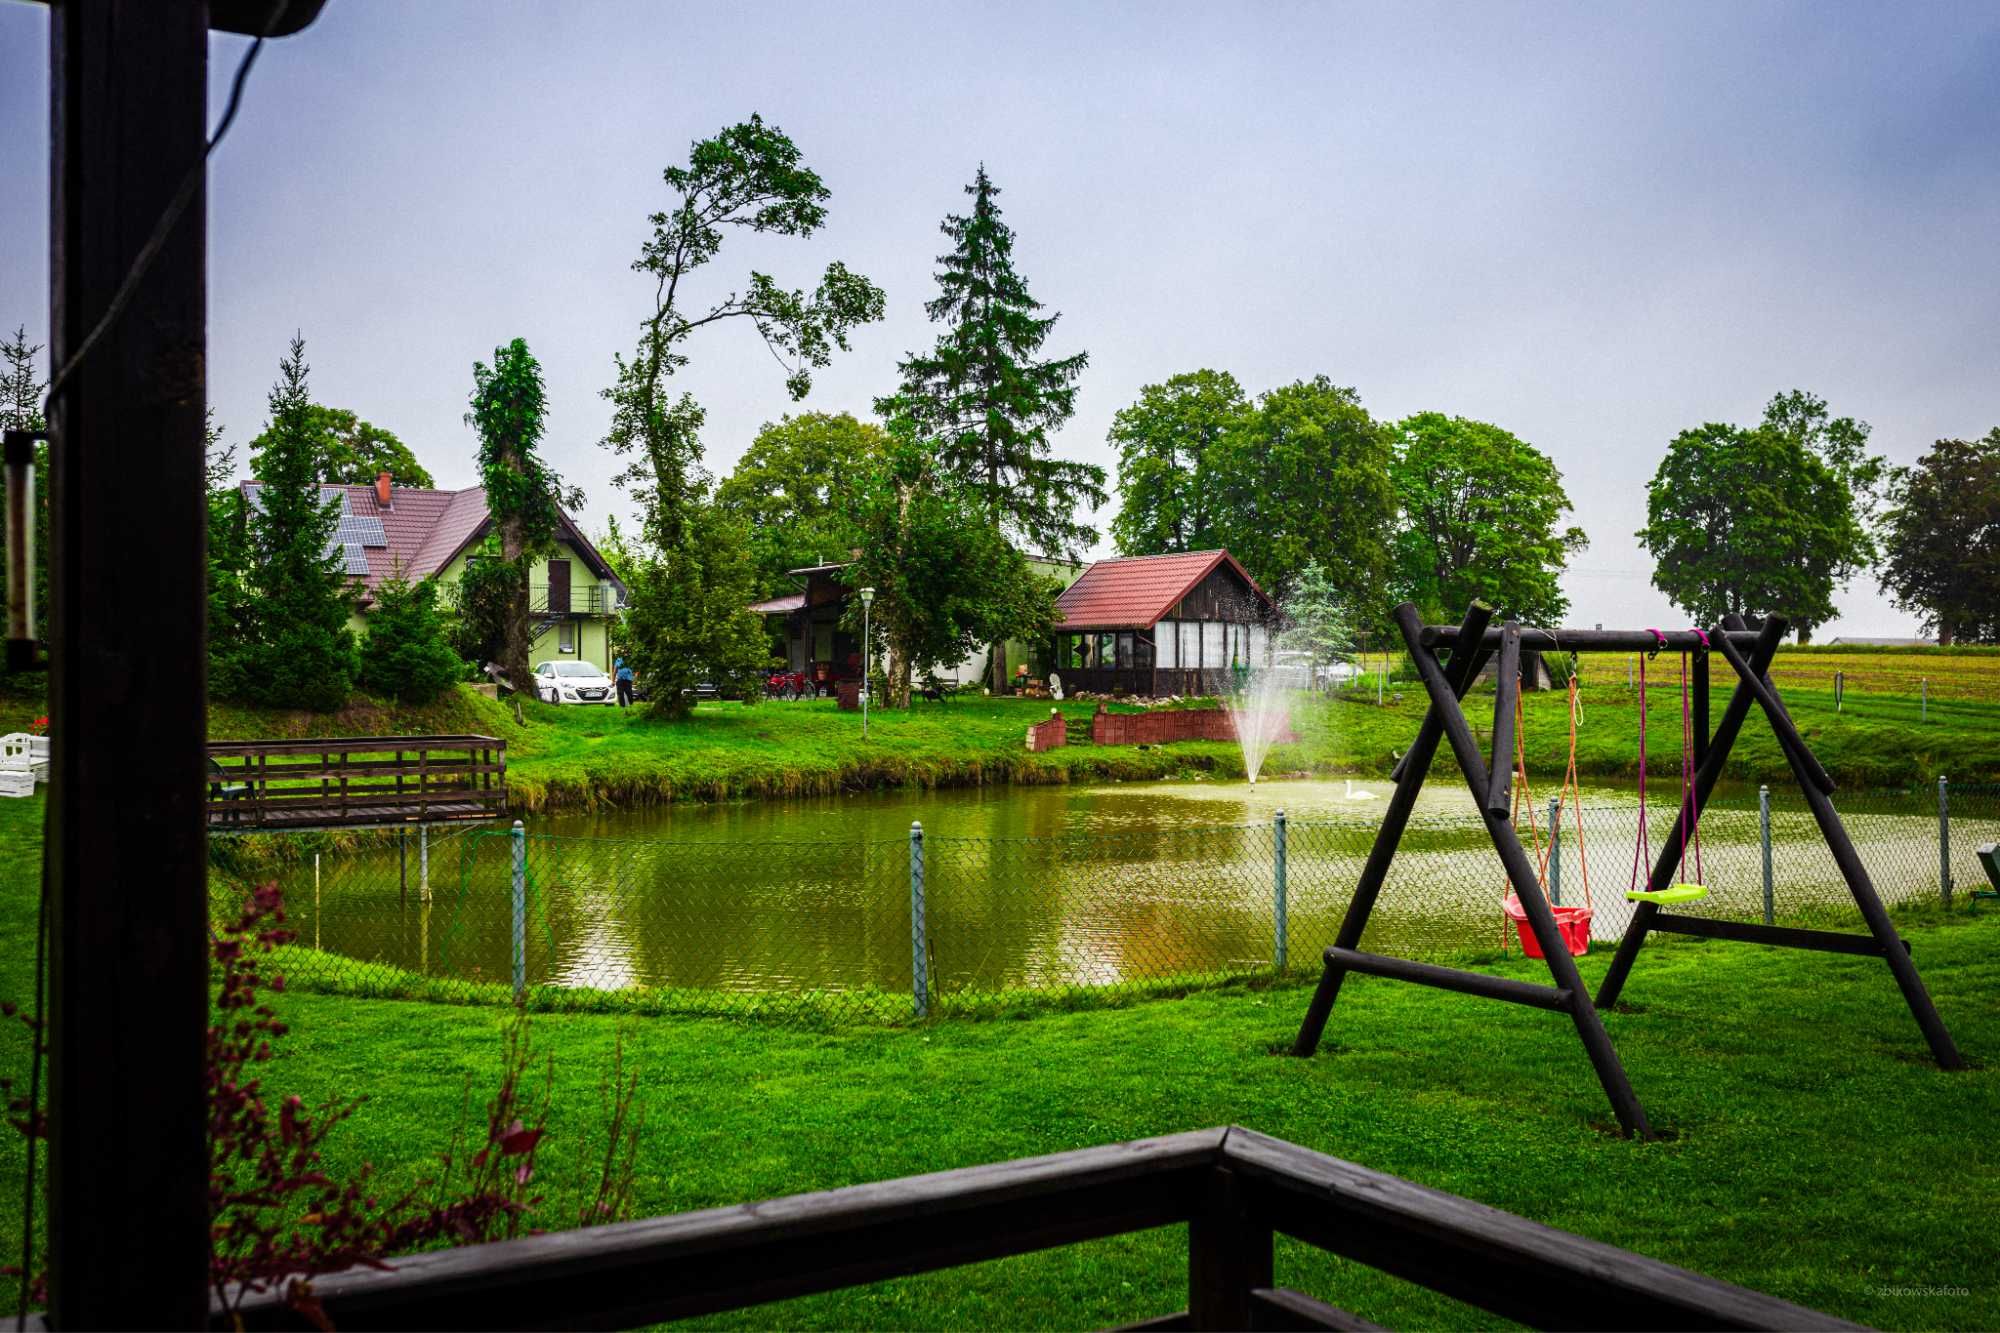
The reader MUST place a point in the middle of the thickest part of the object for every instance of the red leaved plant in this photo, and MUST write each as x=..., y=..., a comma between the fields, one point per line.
x=278, y=1216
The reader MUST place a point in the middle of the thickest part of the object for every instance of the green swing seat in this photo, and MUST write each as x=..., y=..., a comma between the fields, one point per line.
x=1673, y=893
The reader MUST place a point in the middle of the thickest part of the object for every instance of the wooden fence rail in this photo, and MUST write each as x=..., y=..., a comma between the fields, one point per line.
x=1236, y=1189
x=355, y=782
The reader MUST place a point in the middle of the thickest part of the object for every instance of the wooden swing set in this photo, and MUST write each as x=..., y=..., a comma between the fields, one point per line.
x=1446, y=679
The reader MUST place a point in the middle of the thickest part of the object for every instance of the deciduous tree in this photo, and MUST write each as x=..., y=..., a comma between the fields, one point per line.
x=946, y=580
x=689, y=623
x=1164, y=441
x=1764, y=520
x=1941, y=539
x=1730, y=516
x=1305, y=477
x=524, y=496
x=21, y=390
x=352, y=452
x=1482, y=515
x=750, y=177
x=796, y=491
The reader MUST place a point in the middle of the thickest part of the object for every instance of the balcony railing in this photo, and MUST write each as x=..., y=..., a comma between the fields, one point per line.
x=597, y=599
x=1235, y=1189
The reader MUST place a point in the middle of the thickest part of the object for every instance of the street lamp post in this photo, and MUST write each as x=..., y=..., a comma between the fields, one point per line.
x=867, y=601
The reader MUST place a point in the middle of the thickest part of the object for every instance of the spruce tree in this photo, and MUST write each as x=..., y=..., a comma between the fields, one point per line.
x=986, y=400
x=298, y=651
x=405, y=654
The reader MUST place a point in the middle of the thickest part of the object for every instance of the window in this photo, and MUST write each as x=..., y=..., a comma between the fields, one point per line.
x=1107, y=649
x=1142, y=652
x=566, y=637
x=1125, y=650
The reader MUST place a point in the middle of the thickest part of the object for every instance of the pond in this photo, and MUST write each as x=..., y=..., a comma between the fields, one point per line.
x=1025, y=889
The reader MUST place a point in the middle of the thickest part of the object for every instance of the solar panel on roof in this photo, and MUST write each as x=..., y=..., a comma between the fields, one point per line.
x=356, y=558
x=364, y=529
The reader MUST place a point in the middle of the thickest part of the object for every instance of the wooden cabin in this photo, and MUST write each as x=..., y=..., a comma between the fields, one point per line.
x=1163, y=624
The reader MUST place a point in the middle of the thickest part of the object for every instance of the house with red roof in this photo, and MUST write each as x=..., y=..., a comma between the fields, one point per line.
x=1156, y=625
x=387, y=530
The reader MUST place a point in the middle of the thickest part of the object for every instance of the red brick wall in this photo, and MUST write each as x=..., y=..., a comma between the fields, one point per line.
x=1166, y=726
x=1048, y=735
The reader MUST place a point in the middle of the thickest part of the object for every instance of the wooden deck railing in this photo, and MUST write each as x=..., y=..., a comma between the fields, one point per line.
x=1234, y=1188
x=355, y=781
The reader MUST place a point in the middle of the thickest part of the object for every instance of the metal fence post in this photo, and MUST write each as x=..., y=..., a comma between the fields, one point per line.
x=424, y=862
x=315, y=902
x=1944, y=841
x=1764, y=835
x=520, y=912
x=1555, y=851
x=920, y=986
x=1925, y=715
x=1280, y=943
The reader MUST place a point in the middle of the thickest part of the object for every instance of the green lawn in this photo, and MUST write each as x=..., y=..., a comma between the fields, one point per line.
x=577, y=757
x=1819, y=1156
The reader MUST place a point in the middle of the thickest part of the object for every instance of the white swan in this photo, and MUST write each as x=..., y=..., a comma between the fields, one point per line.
x=1363, y=795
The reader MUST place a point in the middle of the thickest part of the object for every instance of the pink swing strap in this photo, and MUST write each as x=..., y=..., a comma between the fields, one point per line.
x=1690, y=802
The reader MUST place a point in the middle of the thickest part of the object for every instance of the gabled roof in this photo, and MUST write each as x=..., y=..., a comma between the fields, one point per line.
x=419, y=532
x=1135, y=592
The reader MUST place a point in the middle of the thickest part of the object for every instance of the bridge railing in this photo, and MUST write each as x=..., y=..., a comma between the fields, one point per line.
x=355, y=782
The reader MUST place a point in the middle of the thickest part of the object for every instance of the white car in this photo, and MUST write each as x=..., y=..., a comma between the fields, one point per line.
x=573, y=683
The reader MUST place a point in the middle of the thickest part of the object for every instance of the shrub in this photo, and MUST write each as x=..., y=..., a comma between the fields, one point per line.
x=406, y=654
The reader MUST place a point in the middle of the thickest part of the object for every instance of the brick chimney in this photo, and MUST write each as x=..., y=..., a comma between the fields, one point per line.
x=383, y=490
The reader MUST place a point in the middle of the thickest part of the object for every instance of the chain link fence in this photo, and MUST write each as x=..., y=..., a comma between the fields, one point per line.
x=838, y=932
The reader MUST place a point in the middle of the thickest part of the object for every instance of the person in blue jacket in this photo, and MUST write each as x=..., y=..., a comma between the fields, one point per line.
x=624, y=678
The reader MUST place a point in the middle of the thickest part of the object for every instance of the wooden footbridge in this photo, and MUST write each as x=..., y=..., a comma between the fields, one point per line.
x=355, y=782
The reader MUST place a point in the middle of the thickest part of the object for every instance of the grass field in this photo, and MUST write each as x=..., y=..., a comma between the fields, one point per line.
x=1818, y=1155
x=578, y=757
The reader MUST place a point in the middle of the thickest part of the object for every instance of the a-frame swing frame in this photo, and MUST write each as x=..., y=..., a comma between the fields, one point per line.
x=1446, y=681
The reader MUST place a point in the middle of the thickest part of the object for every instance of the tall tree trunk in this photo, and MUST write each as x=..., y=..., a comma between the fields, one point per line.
x=1944, y=632
x=514, y=645
x=1805, y=633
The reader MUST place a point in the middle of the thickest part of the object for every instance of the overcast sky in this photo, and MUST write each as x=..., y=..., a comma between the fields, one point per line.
x=1594, y=225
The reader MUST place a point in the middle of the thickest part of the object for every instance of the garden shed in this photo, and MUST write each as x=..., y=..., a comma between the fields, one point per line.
x=1163, y=624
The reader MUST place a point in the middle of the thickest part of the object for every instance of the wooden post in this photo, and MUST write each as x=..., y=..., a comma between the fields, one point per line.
x=125, y=863
x=1412, y=769
x=1506, y=690
x=1521, y=875
x=1229, y=1255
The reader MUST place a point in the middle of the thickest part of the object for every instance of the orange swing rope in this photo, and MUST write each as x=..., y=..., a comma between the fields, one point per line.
x=1569, y=792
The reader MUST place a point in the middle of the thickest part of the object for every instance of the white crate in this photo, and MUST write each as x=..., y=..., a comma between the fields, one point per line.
x=16, y=782
x=17, y=751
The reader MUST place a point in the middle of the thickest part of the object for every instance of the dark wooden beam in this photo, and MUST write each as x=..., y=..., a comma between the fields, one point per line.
x=1521, y=875
x=1282, y=1310
x=1411, y=771
x=1229, y=1255
x=125, y=853
x=1520, y=1269
x=1506, y=690
x=1756, y=932
x=633, y=1273
x=1578, y=640
x=1451, y=979
x=1781, y=721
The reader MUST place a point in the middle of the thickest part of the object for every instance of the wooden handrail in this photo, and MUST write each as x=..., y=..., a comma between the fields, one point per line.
x=1233, y=1186
x=355, y=781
